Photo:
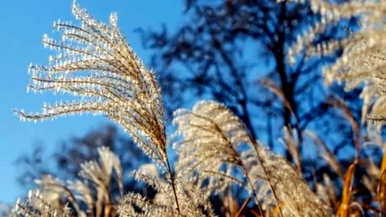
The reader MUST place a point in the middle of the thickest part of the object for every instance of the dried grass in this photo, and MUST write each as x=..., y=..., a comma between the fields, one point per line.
x=215, y=150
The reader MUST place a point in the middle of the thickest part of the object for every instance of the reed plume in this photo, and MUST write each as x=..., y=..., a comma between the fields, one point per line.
x=363, y=59
x=212, y=140
x=95, y=63
x=90, y=195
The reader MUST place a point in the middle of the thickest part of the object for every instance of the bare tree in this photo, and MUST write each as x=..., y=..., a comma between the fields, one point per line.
x=236, y=52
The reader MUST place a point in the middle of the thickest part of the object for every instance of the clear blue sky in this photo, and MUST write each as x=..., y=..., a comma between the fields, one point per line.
x=22, y=25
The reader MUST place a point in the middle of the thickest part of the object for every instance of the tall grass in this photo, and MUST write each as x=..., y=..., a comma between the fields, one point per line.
x=215, y=150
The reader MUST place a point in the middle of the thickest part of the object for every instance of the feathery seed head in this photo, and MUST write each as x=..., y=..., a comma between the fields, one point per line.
x=364, y=51
x=95, y=63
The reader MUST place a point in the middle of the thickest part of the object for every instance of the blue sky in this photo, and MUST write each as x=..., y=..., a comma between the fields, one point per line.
x=22, y=25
